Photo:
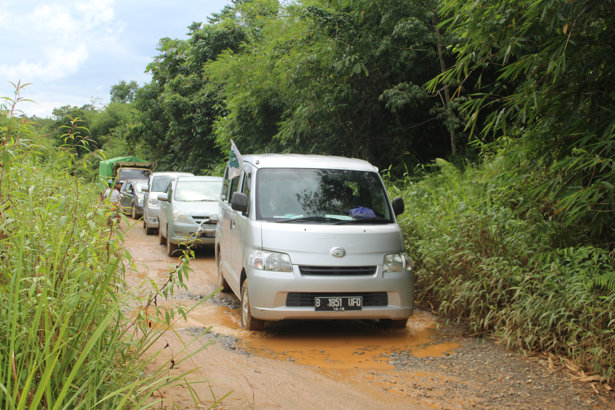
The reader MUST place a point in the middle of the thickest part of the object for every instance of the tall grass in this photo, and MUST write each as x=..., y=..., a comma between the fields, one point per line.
x=492, y=255
x=65, y=339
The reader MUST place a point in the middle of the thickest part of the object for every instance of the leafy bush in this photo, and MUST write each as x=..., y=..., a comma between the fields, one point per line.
x=488, y=253
x=65, y=340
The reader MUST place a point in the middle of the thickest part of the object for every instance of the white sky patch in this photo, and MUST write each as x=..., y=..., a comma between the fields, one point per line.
x=73, y=51
x=57, y=63
x=59, y=36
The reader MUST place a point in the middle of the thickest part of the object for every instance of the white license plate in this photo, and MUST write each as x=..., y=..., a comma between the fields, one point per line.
x=338, y=303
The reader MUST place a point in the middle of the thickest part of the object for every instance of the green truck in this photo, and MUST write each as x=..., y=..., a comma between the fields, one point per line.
x=122, y=169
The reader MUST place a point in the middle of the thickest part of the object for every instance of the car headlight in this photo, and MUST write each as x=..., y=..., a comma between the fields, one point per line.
x=153, y=202
x=397, y=262
x=182, y=218
x=271, y=261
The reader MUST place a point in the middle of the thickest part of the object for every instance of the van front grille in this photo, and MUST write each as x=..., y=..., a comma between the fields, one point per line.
x=306, y=299
x=337, y=270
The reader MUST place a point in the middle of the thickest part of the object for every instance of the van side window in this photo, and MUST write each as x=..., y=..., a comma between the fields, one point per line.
x=232, y=188
x=225, y=187
x=245, y=188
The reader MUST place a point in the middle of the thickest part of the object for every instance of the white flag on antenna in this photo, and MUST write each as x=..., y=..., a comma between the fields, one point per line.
x=234, y=162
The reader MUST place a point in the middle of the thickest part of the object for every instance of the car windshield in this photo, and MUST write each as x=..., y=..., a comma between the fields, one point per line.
x=134, y=173
x=325, y=196
x=160, y=182
x=198, y=190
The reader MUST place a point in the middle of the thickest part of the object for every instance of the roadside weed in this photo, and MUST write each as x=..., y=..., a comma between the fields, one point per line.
x=66, y=341
x=492, y=255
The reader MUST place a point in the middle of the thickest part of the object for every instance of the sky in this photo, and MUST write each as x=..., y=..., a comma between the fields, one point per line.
x=71, y=52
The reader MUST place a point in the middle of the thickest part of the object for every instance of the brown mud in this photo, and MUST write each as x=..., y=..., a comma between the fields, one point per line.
x=336, y=364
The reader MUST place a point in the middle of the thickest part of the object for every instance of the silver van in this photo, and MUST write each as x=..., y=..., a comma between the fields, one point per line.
x=312, y=237
x=157, y=183
x=189, y=212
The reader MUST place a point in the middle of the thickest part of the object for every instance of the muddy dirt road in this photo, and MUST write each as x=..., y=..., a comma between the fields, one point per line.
x=339, y=364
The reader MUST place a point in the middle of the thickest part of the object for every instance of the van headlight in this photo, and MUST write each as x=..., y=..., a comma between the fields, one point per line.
x=271, y=261
x=181, y=218
x=397, y=262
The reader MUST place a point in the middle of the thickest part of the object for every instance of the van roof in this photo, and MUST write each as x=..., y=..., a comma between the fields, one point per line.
x=199, y=178
x=307, y=161
x=171, y=173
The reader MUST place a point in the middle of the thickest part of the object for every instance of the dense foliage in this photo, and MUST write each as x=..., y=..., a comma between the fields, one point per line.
x=553, y=90
x=486, y=257
x=337, y=77
x=67, y=338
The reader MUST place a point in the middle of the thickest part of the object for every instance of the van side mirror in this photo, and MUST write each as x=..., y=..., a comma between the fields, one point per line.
x=398, y=205
x=163, y=197
x=239, y=202
x=145, y=188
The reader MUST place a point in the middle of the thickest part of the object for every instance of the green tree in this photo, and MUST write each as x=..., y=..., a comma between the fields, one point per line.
x=337, y=77
x=176, y=109
x=124, y=92
x=552, y=92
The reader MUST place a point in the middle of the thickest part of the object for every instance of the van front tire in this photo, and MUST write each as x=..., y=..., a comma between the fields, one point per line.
x=172, y=249
x=248, y=322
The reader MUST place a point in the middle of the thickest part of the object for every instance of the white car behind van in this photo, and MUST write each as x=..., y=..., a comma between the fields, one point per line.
x=157, y=183
x=312, y=237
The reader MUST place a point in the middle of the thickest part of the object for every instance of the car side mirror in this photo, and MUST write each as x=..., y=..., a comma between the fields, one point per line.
x=145, y=188
x=398, y=205
x=163, y=197
x=239, y=202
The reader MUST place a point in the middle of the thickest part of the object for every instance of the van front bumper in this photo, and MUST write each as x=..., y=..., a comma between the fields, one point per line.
x=290, y=295
x=192, y=234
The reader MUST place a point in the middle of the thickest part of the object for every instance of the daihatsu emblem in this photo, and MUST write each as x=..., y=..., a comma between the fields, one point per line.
x=338, y=252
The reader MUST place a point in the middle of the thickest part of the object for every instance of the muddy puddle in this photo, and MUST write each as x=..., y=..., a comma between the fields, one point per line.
x=332, y=344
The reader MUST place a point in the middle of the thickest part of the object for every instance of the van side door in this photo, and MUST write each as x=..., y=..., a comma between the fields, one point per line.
x=240, y=233
x=225, y=233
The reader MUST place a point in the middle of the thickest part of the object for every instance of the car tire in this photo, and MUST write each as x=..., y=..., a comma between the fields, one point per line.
x=248, y=322
x=149, y=231
x=161, y=239
x=222, y=283
x=133, y=211
x=172, y=249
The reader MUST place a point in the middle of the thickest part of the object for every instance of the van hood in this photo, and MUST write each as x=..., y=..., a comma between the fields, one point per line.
x=312, y=244
x=197, y=208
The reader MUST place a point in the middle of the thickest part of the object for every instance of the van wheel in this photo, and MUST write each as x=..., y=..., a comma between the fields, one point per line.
x=133, y=211
x=222, y=283
x=172, y=249
x=161, y=239
x=247, y=321
x=149, y=231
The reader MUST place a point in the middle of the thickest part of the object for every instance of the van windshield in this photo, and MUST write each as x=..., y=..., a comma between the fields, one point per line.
x=329, y=196
x=160, y=182
x=189, y=191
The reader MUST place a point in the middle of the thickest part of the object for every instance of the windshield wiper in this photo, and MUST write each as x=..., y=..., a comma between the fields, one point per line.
x=304, y=219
